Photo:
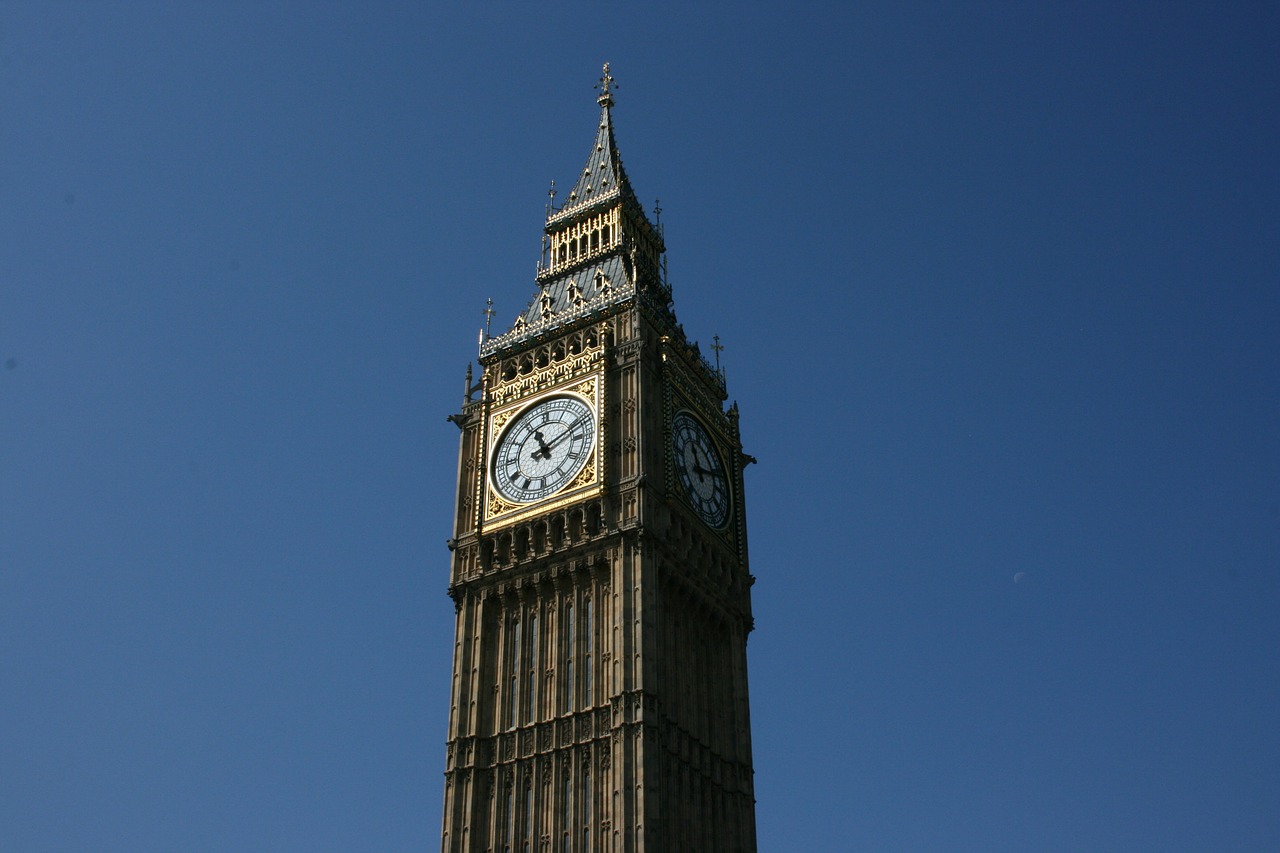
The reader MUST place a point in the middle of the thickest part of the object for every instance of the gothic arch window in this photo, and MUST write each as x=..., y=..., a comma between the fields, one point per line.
x=513, y=670
x=527, y=839
x=588, y=631
x=567, y=811
x=531, y=711
x=570, y=644
x=509, y=819
x=556, y=533
x=604, y=236
x=595, y=241
x=586, y=810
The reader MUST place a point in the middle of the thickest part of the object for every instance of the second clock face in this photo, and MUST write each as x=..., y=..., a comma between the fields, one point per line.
x=700, y=470
x=543, y=449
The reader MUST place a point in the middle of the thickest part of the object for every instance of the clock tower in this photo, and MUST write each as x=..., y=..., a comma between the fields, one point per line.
x=599, y=560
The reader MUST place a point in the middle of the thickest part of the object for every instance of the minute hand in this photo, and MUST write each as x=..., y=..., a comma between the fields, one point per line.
x=568, y=431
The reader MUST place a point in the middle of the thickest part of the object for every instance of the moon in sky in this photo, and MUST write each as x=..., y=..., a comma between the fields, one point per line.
x=1017, y=578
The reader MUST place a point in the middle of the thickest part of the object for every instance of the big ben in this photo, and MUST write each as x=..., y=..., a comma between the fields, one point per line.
x=599, y=565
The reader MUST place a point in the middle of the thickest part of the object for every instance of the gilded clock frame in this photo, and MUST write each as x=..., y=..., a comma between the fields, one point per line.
x=589, y=388
x=683, y=392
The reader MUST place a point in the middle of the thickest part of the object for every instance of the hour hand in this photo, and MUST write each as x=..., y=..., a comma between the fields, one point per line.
x=544, y=449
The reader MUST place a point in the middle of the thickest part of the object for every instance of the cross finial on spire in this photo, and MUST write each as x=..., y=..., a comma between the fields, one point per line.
x=719, y=348
x=606, y=86
x=488, y=316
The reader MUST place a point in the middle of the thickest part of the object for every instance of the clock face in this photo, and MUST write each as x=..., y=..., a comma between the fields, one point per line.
x=543, y=449
x=700, y=470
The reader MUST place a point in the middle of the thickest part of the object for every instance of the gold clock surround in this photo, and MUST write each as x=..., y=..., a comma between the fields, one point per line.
x=498, y=511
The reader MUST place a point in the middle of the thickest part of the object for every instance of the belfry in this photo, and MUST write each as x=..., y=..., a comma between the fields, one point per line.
x=599, y=565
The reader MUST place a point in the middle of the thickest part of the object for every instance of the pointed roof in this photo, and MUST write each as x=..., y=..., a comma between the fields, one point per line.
x=591, y=286
x=602, y=179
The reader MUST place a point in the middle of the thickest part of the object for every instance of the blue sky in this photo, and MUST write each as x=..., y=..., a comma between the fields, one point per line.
x=997, y=284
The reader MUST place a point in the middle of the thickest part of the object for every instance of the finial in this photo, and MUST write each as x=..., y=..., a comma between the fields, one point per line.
x=657, y=211
x=488, y=316
x=606, y=86
x=718, y=347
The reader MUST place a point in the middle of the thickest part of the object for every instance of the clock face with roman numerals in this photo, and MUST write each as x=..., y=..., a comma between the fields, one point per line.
x=700, y=470
x=543, y=449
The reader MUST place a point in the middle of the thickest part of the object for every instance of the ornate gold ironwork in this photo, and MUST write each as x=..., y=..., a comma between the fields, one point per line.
x=547, y=377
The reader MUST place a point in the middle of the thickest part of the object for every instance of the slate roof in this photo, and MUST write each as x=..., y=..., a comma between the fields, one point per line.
x=587, y=286
x=567, y=298
x=603, y=179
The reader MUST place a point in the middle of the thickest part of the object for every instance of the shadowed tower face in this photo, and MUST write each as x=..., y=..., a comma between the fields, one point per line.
x=599, y=559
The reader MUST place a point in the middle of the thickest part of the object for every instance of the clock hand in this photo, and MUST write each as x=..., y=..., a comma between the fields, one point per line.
x=568, y=430
x=697, y=465
x=544, y=449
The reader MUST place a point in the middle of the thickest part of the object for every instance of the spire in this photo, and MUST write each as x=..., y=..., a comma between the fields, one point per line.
x=603, y=178
x=599, y=250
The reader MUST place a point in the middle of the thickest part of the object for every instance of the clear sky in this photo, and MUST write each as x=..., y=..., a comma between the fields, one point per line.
x=997, y=285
